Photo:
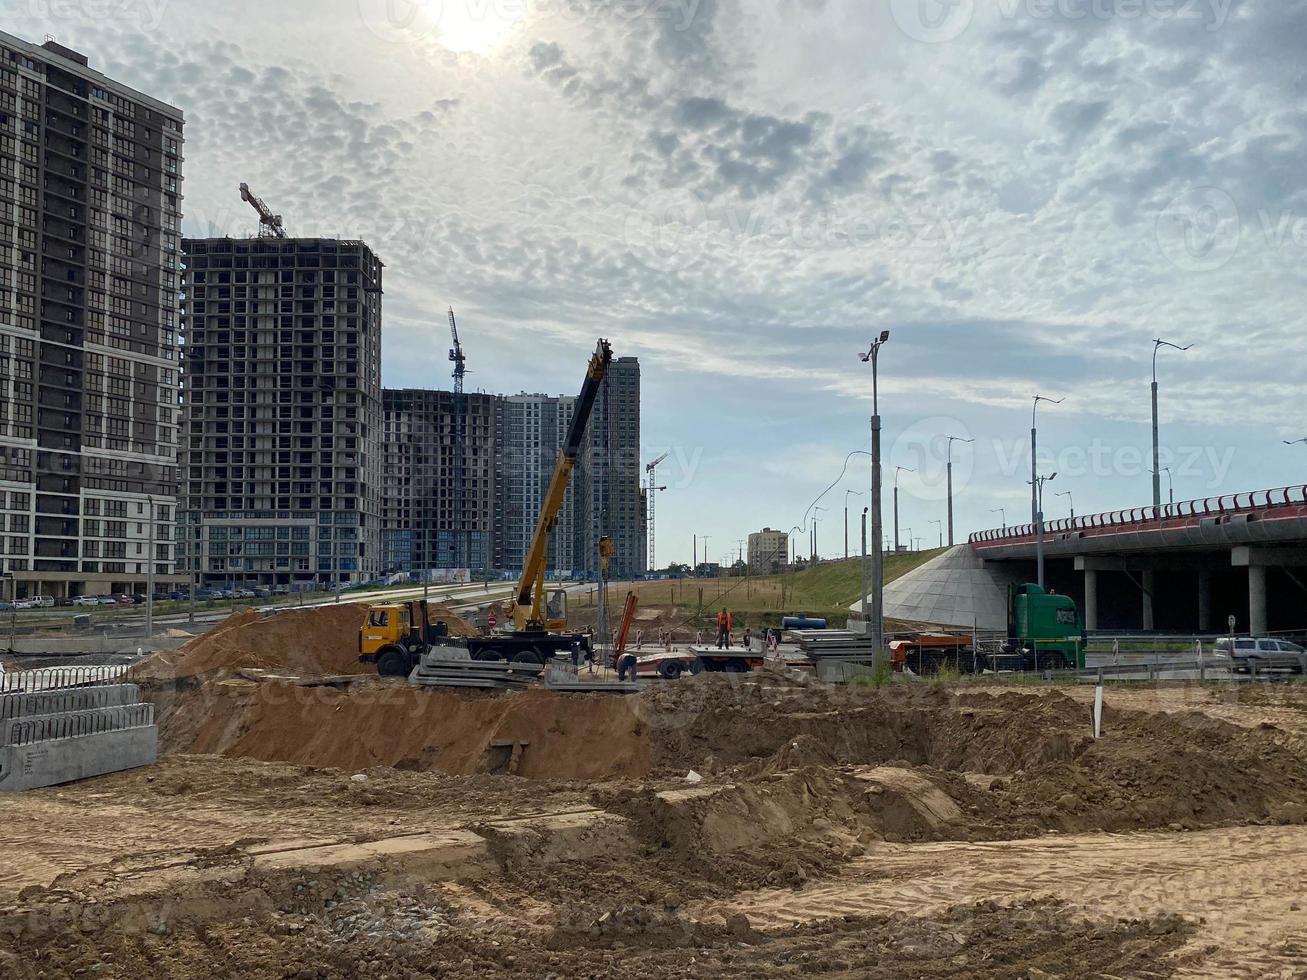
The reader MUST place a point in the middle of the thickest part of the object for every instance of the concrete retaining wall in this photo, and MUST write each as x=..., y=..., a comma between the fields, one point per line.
x=76, y=699
x=66, y=760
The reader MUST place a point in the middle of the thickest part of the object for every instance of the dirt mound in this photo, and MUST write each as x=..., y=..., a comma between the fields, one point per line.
x=307, y=642
x=537, y=734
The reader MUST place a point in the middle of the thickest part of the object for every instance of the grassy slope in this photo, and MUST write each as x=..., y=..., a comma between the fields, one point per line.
x=826, y=591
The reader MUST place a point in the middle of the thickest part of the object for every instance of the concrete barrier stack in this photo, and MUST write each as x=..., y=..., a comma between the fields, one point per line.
x=62, y=725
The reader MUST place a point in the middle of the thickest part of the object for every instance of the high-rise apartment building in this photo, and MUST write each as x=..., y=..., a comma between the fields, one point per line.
x=282, y=398
x=422, y=527
x=90, y=212
x=611, y=475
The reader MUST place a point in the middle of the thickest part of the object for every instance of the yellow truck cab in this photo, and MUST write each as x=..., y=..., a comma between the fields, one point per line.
x=395, y=635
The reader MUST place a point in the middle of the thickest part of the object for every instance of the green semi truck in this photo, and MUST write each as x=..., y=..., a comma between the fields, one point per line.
x=1045, y=630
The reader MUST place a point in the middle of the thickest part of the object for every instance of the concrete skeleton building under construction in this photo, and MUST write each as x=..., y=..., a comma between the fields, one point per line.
x=511, y=446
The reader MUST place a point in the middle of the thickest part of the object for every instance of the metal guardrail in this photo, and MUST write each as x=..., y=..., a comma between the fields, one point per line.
x=54, y=727
x=1239, y=503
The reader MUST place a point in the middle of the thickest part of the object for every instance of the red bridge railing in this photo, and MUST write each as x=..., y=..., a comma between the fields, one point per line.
x=1238, y=503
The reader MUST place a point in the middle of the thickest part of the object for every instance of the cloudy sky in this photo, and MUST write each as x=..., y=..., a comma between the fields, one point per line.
x=1025, y=192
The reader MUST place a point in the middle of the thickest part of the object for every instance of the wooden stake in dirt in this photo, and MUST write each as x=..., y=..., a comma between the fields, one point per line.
x=1098, y=711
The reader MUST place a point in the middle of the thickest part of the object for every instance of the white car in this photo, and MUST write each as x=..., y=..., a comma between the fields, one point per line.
x=86, y=600
x=1262, y=653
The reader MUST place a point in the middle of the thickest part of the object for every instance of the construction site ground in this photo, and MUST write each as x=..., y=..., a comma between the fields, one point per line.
x=297, y=827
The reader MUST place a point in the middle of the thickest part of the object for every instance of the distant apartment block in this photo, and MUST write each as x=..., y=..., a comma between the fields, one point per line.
x=769, y=551
x=90, y=211
x=283, y=411
x=423, y=526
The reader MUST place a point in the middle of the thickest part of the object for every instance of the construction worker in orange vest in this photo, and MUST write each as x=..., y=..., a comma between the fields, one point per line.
x=724, y=629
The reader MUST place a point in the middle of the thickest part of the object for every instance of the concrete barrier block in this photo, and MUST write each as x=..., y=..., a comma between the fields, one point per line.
x=68, y=699
x=75, y=724
x=67, y=760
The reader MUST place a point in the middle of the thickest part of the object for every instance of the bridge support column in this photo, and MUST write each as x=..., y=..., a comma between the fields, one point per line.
x=1149, y=579
x=1205, y=601
x=1091, y=599
x=1257, y=600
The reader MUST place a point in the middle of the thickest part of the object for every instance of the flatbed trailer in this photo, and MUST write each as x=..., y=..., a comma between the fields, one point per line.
x=698, y=660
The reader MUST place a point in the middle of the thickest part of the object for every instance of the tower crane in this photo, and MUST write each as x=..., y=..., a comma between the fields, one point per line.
x=653, y=490
x=270, y=225
x=459, y=360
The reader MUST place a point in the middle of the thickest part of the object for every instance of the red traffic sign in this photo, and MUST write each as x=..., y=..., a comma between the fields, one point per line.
x=491, y=621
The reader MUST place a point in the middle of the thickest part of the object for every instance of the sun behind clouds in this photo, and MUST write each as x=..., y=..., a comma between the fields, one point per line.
x=474, y=26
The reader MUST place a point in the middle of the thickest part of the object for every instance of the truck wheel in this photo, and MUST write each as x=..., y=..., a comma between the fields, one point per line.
x=696, y=666
x=529, y=657
x=671, y=670
x=393, y=662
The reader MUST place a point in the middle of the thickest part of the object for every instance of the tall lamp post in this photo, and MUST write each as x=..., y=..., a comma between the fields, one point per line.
x=951, y=440
x=1170, y=484
x=941, y=533
x=1071, y=500
x=1002, y=512
x=898, y=470
x=877, y=556
x=1034, y=455
x=909, y=530
x=1157, y=449
x=864, y=563
x=847, y=495
x=815, y=512
x=1037, y=488
x=149, y=575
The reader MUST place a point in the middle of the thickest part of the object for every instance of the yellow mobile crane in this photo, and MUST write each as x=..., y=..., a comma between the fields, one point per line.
x=391, y=637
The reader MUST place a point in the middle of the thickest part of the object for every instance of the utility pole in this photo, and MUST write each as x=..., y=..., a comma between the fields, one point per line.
x=1157, y=449
x=149, y=574
x=878, y=558
x=951, y=440
x=1002, y=511
x=941, y=533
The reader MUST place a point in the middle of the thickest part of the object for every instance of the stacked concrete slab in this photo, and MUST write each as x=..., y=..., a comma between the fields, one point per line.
x=54, y=729
x=954, y=590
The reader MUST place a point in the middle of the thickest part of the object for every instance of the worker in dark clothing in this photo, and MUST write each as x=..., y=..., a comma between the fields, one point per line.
x=627, y=664
x=724, y=629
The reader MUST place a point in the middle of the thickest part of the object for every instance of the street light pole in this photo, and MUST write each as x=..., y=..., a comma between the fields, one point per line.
x=1157, y=449
x=847, y=495
x=897, y=471
x=1037, y=488
x=1002, y=512
x=941, y=533
x=951, y=440
x=1070, y=496
x=1034, y=454
x=864, y=563
x=877, y=556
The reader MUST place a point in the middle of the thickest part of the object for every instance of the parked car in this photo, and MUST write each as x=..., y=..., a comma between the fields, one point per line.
x=281, y=590
x=25, y=604
x=138, y=598
x=63, y=601
x=178, y=596
x=124, y=599
x=37, y=602
x=86, y=600
x=1257, y=654
x=6, y=606
x=204, y=595
x=107, y=600
x=262, y=593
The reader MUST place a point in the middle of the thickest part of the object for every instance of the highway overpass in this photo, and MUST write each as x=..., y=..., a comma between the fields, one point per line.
x=1185, y=567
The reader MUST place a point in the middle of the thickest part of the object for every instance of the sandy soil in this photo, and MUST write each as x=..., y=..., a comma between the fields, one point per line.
x=911, y=832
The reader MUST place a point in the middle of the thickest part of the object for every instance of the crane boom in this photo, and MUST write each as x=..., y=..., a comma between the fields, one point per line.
x=456, y=354
x=530, y=587
x=270, y=225
x=462, y=536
